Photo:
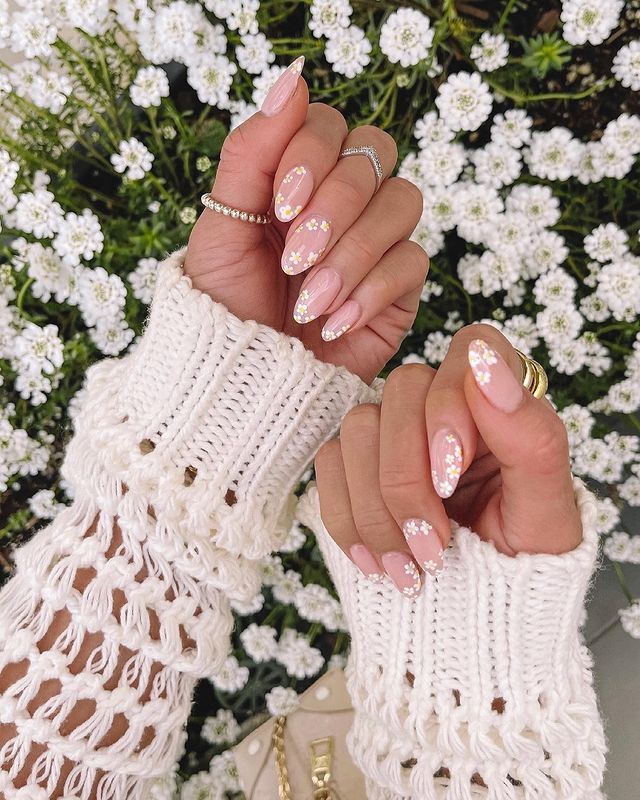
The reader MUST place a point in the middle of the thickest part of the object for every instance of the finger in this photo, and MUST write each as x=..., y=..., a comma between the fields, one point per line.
x=360, y=446
x=536, y=510
x=309, y=157
x=399, y=276
x=252, y=152
x=335, y=508
x=390, y=217
x=405, y=474
x=338, y=201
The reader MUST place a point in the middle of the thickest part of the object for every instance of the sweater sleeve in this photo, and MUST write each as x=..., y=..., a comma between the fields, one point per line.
x=183, y=463
x=481, y=687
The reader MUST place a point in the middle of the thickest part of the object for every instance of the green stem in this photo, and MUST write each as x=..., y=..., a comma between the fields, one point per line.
x=22, y=294
x=536, y=98
x=623, y=582
x=152, y=112
x=505, y=14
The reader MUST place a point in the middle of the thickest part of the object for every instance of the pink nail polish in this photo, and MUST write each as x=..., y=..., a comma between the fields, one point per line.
x=494, y=377
x=424, y=543
x=293, y=193
x=365, y=562
x=282, y=90
x=403, y=572
x=317, y=295
x=341, y=320
x=446, y=462
x=307, y=244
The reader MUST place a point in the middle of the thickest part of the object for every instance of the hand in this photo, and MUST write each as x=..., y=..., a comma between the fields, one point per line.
x=369, y=275
x=467, y=442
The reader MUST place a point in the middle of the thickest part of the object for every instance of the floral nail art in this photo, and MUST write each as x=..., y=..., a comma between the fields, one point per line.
x=416, y=527
x=331, y=335
x=494, y=377
x=411, y=571
x=446, y=456
x=301, y=313
x=481, y=359
x=293, y=193
x=424, y=543
x=308, y=244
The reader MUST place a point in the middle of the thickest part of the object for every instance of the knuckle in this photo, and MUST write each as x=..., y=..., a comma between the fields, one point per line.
x=415, y=253
x=358, y=249
x=407, y=375
x=372, y=521
x=552, y=445
x=362, y=421
x=328, y=114
x=348, y=195
x=337, y=519
x=397, y=484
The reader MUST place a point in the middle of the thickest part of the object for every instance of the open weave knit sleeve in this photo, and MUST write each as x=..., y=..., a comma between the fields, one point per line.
x=183, y=463
x=481, y=686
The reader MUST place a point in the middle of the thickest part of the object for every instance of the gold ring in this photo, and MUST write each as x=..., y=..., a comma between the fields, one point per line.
x=534, y=378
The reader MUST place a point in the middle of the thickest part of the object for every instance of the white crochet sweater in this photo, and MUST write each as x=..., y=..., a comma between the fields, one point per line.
x=183, y=463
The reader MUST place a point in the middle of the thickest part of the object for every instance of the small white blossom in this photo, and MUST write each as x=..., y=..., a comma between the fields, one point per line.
x=491, y=52
x=38, y=213
x=221, y=729
x=143, y=279
x=552, y=154
x=44, y=505
x=329, y=16
x=133, y=158
x=255, y=53
x=32, y=33
x=497, y=165
x=512, y=128
x=282, y=701
x=259, y=642
x=630, y=619
x=464, y=101
x=149, y=87
x=430, y=128
x=606, y=243
x=212, y=78
x=231, y=677
x=589, y=20
x=348, y=51
x=406, y=37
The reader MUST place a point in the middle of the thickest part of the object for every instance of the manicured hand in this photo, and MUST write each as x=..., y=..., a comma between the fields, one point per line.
x=337, y=258
x=467, y=442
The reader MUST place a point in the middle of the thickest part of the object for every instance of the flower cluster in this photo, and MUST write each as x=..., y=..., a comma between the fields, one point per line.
x=525, y=146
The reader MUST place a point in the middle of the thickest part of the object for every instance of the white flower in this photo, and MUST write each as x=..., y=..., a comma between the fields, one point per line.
x=552, y=154
x=406, y=37
x=441, y=163
x=32, y=33
x=212, y=79
x=201, y=786
x=512, y=128
x=315, y=604
x=240, y=111
x=143, y=279
x=626, y=65
x=607, y=515
x=348, y=51
x=619, y=288
x=568, y=355
x=38, y=213
x=90, y=15
x=133, y=157
x=149, y=87
x=589, y=20
x=589, y=166
x=594, y=308
x=538, y=203
x=51, y=276
x=259, y=642
x=247, y=607
x=80, y=236
x=578, y=421
x=558, y=324
x=255, y=53
x=630, y=619
x=295, y=539
x=8, y=172
x=509, y=235
x=38, y=349
x=429, y=238
x=490, y=52
x=221, y=729
x=101, y=295
x=497, y=165
x=44, y=504
x=243, y=16
x=555, y=288
x=282, y=701
x=436, y=347
x=612, y=161
x=430, y=128
x=464, y=101
x=624, y=132
x=606, y=243
x=439, y=209
x=630, y=490
x=286, y=587
x=478, y=208
x=546, y=251
x=298, y=657
x=522, y=332
x=111, y=335
x=328, y=16
x=231, y=677
x=263, y=82
x=33, y=387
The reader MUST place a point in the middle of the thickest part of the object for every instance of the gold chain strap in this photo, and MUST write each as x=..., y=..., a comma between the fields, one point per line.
x=321, y=751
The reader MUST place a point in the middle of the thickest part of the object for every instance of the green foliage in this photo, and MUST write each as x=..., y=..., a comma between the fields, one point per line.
x=545, y=53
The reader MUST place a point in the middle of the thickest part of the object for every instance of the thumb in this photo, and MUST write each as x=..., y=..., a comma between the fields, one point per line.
x=535, y=511
x=252, y=152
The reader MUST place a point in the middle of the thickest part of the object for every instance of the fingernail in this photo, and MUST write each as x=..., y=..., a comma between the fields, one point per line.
x=307, y=244
x=424, y=543
x=280, y=93
x=446, y=462
x=403, y=572
x=365, y=562
x=494, y=378
x=318, y=294
x=293, y=193
x=341, y=320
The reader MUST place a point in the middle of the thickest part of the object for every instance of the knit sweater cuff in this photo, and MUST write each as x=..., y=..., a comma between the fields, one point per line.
x=211, y=418
x=482, y=675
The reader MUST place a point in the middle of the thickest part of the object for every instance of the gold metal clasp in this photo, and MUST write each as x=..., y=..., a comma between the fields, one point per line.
x=321, y=752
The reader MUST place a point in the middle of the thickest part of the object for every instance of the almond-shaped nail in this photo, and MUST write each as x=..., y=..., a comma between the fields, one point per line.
x=317, y=295
x=341, y=320
x=307, y=244
x=424, y=543
x=403, y=572
x=446, y=462
x=494, y=377
x=280, y=93
x=366, y=563
x=293, y=193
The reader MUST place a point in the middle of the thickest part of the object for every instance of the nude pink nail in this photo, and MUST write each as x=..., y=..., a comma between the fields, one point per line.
x=282, y=90
x=341, y=320
x=317, y=295
x=307, y=244
x=293, y=193
x=403, y=572
x=446, y=462
x=494, y=377
x=365, y=562
x=424, y=543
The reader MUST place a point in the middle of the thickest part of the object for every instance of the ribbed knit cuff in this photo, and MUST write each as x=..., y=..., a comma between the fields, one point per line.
x=213, y=419
x=483, y=674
